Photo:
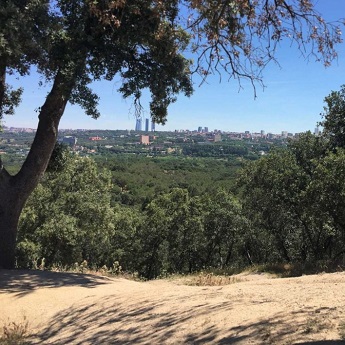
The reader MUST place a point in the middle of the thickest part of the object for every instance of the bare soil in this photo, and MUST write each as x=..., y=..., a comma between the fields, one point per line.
x=69, y=308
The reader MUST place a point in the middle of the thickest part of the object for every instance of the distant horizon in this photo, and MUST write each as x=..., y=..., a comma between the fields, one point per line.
x=169, y=131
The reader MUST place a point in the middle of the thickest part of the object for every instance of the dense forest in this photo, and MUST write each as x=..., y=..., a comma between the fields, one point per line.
x=154, y=216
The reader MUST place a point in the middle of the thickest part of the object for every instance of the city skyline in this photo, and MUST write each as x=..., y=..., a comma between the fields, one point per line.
x=204, y=130
x=292, y=99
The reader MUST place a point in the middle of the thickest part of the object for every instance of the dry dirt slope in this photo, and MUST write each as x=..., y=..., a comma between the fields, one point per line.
x=67, y=308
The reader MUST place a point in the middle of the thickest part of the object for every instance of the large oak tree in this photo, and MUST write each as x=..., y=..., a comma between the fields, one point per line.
x=146, y=43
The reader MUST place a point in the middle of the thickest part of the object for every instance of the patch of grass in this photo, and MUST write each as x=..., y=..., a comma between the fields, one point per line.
x=341, y=330
x=280, y=270
x=14, y=333
x=266, y=333
x=84, y=268
x=210, y=279
x=317, y=324
x=286, y=270
x=311, y=326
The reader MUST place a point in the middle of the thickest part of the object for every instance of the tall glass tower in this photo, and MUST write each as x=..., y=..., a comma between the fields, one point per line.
x=138, y=124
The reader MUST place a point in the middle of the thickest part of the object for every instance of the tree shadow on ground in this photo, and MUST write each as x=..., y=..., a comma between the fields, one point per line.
x=323, y=342
x=23, y=282
x=193, y=318
x=119, y=321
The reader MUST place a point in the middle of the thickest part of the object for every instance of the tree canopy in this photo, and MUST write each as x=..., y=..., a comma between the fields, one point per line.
x=146, y=43
x=334, y=118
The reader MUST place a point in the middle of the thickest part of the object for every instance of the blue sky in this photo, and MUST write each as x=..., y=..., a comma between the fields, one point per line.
x=291, y=101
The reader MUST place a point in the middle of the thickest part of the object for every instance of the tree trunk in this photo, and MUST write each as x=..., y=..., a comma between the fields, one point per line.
x=10, y=208
x=2, y=84
x=14, y=190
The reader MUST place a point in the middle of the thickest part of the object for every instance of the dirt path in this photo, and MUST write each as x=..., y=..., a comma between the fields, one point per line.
x=67, y=308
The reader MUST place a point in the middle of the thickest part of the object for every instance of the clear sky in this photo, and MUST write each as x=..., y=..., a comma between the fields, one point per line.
x=291, y=101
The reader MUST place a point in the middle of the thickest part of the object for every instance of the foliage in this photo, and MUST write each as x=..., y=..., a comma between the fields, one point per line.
x=139, y=179
x=308, y=149
x=182, y=233
x=68, y=218
x=84, y=41
x=22, y=40
x=241, y=37
x=143, y=43
x=293, y=199
x=288, y=214
x=59, y=158
x=290, y=210
x=334, y=118
x=327, y=191
x=271, y=197
x=215, y=150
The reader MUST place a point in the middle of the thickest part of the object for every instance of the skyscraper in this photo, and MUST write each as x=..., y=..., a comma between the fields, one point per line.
x=138, y=124
x=147, y=121
x=284, y=134
x=153, y=126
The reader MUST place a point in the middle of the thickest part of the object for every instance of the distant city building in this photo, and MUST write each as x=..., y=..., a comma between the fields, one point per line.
x=145, y=140
x=262, y=133
x=138, y=124
x=200, y=129
x=95, y=138
x=206, y=129
x=317, y=131
x=153, y=126
x=147, y=122
x=217, y=137
x=69, y=140
x=256, y=135
x=284, y=134
x=19, y=129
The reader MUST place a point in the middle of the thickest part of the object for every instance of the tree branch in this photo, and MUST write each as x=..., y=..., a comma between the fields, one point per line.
x=46, y=136
x=2, y=84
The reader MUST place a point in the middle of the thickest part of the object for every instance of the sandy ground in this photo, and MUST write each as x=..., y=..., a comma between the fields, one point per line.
x=67, y=308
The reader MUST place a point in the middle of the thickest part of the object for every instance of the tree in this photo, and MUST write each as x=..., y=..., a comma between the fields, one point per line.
x=271, y=193
x=326, y=205
x=334, y=118
x=167, y=238
x=68, y=218
x=224, y=227
x=308, y=149
x=73, y=43
x=295, y=201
